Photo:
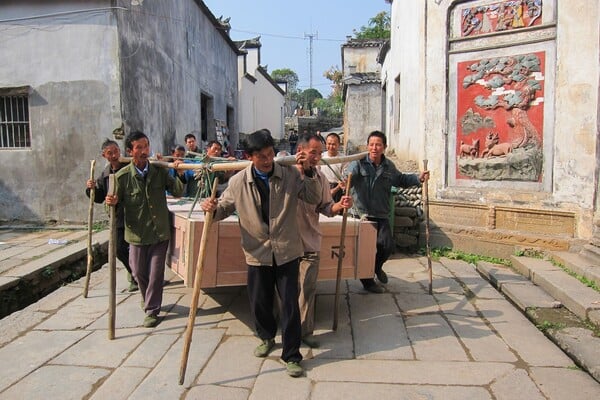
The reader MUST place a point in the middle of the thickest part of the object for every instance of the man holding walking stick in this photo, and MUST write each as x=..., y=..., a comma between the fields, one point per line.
x=310, y=233
x=372, y=181
x=111, y=152
x=141, y=188
x=266, y=195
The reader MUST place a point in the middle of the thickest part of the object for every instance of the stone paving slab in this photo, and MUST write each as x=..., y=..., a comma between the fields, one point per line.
x=561, y=383
x=57, y=382
x=40, y=347
x=521, y=336
x=432, y=338
x=351, y=390
x=407, y=372
x=516, y=385
x=582, y=346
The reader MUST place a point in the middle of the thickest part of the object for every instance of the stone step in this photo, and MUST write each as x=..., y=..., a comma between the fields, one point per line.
x=579, y=264
x=580, y=299
x=520, y=290
x=592, y=252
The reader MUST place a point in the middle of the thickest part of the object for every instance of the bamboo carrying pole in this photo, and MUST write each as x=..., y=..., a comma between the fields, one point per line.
x=341, y=254
x=112, y=262
x=90, y=257
x=239, y=165
x=426, y=212
x=208, y=217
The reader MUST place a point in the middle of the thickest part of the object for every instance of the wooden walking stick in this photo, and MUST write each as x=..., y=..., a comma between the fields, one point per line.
x=112, y=262
x=426, y=212
x=208, y=217
x=341, y=254
x=90, y=257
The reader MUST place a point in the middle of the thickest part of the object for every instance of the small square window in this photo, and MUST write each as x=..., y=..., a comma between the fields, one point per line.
x=14, y=118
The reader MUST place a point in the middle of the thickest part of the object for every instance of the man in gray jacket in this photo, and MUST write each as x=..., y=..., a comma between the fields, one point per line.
x=266, y=195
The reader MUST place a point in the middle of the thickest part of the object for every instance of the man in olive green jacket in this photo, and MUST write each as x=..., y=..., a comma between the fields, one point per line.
x=266, y=196
x=141, y=190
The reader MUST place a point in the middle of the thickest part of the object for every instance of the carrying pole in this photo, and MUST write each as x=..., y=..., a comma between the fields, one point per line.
x=341, y=254
x=426, y=212
x=112, y=262
x=208, y=217
x=90, y=255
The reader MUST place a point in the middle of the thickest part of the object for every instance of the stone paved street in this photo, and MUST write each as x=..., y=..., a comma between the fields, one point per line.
x=464, y=342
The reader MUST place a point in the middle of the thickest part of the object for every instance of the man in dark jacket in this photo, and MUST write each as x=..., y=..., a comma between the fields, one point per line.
x=371, y=186
x=111, y=152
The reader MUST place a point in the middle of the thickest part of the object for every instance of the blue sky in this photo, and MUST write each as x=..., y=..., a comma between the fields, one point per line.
x=283, y=25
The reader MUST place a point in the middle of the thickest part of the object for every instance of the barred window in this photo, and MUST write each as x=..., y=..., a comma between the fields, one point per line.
x=14, y=118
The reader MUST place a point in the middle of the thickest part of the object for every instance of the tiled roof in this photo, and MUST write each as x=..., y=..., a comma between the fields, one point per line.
x=364, y=43
x=362, y=77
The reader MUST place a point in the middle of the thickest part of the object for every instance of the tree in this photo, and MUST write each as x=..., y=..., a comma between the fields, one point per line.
x=308, y=97
x=378, y=28
x=335, y=75
x=286, y=75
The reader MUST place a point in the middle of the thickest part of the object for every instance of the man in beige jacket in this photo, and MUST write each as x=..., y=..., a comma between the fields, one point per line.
x=266, y=195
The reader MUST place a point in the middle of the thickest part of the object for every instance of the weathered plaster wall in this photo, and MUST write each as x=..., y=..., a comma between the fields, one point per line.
x=74, y=104
x=406, y=66
x=362, y=114
x=171, y=54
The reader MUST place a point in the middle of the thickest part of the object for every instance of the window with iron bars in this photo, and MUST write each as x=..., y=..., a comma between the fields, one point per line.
x=14, y=118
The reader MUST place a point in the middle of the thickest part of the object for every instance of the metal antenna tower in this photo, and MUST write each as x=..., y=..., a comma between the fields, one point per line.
x=310, y=37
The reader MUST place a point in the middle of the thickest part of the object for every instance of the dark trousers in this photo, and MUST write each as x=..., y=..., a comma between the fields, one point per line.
x=262, y=282
x=385, y=246
x=123, y=249
x=148, y=267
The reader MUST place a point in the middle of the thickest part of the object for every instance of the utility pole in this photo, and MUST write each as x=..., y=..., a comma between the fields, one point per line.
x=310, y=37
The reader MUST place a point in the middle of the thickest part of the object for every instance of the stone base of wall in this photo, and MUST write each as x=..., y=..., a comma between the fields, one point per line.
x=498, y=231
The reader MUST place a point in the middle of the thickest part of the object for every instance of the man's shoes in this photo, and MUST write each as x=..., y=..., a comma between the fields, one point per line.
x=294, y=369
x=150, y=321
x=133, y=286
x=374, y=288
x=263, y=349
x=382, y=276
x=310, y=341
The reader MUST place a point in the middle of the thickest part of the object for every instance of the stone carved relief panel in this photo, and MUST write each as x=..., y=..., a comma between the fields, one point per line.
x=500, y=118
x=500, y=16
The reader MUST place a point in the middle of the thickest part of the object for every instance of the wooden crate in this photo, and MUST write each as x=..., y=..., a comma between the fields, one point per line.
x=225, y=263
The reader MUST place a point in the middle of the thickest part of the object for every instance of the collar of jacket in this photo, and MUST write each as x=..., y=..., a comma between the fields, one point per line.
x=276, y=173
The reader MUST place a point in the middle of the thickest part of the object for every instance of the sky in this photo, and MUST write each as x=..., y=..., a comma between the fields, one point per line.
x=284, y=26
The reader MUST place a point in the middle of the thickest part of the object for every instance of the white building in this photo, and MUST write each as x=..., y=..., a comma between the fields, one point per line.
x=261, y=99
x=502, y=98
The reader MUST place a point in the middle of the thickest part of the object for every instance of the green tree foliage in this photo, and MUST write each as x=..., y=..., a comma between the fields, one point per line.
x=286, y=75
x=335, y=75
x=308, y=96
x=332, y=107
x=378, y=28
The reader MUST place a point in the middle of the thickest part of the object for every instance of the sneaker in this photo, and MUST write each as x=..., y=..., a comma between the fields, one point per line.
x=375, y=288
x=150, y=321
x=382, y=276
x=263, y=349
x=133, y=286
x=310, y=341
x=294, y=369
